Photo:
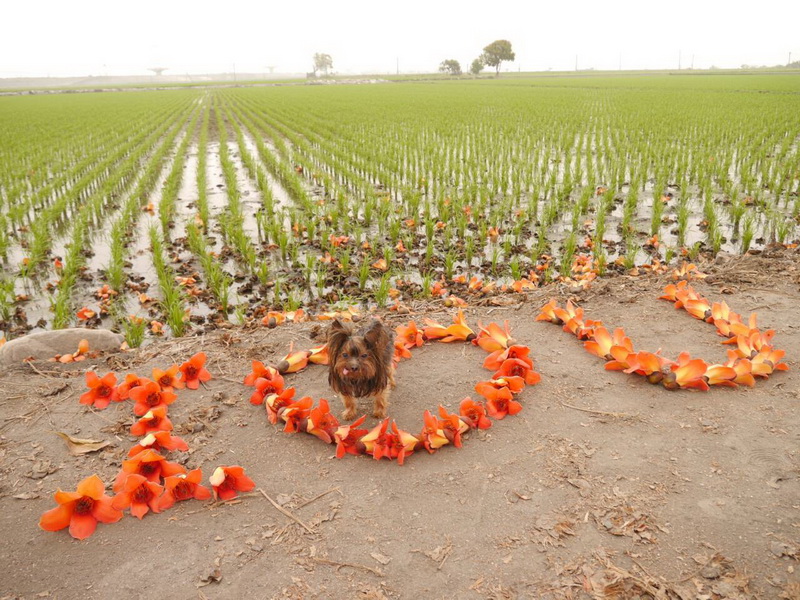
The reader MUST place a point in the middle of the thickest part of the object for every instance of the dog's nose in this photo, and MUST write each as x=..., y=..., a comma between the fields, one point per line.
x=354, y=368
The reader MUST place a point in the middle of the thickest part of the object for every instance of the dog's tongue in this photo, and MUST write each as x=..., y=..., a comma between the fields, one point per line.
x=345, y=371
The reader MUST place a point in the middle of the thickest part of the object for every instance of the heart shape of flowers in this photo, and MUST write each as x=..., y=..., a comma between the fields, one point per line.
x=510, y=363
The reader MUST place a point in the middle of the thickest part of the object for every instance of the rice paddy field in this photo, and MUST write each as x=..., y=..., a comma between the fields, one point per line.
x=175, y=211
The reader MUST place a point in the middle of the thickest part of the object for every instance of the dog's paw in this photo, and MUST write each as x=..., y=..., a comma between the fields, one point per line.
x=379, y=414
x=349, y=415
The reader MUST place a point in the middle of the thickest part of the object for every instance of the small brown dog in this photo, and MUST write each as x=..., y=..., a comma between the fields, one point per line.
x=361, y=364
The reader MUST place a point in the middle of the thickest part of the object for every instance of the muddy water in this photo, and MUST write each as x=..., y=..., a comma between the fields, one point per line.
x=249, y=194
x=186, y=203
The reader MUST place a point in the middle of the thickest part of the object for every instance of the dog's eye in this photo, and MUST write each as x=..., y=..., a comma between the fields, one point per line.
x=344, y=354
x=364, y=355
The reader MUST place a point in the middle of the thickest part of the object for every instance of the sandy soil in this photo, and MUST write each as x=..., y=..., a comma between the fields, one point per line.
x=604, y=486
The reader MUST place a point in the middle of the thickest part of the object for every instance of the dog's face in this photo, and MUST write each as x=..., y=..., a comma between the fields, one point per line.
x=357, y=356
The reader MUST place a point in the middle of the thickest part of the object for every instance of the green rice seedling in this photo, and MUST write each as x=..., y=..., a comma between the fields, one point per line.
x=657, y=215
x=683, y=220
x=382, y=292
x=427, y=285
x=133, y=329
x=516, y=271
x=363, y=274
x=568, y=254
x=632, y=248
x=7, y=298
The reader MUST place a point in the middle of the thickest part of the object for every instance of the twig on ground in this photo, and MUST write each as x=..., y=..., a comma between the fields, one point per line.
x=598, y=412
x=339, y=565
x=286, y=512
x=318, y=496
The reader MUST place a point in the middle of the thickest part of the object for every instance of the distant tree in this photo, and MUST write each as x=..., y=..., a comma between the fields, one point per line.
x=451, y=66
x=322, y=62
x=476, y=66
x=497, y=52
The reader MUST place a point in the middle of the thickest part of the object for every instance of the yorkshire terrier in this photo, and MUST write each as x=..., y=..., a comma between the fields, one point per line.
x=361, y=364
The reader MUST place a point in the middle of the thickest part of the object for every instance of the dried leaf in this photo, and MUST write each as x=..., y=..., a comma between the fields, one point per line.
x=79, y=446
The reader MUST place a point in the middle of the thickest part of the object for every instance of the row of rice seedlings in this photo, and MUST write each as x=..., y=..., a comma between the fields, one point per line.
x=231, y=221
x=90, y=217
x=169, y=191
x=173, y=304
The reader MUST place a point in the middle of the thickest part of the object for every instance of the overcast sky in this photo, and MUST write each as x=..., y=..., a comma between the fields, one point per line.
x=96, y=37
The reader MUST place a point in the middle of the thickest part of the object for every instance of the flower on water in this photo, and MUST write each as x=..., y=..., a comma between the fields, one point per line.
x=271, y=383
x=81, y=510
x=194, y=371
x=183, y=487
x=154, y=420
x=150, y=395
x=101, y=391
x=168, y=379
x=158, y=441
x=348, y=438
x=474, y=413
x=150, y=465
x=227, y=481
x=139, y=494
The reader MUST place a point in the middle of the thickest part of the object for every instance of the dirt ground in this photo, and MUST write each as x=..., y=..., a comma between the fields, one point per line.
x=602, y=487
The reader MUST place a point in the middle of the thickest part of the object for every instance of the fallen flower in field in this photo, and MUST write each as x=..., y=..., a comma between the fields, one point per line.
x=266, y=386
x=400, y=351
x=452, y=426
x=319, y=355
x=101, y=391
x=321, y=423
x=273, y=318
x=132, y=380
x=169, y=379
x=452, y=301
x=260, y=370
x=548, y=313
x=602, y=342
x=458, y=331
x=721, y=375
x=348, y=438
x=689, y=271
x=275, y=403
x=85, y=313
x=149, y=396
x=474, y=413
x=518, y=367
x=499, y=398
x=183, y=487
x=194, y=372
x=409, y=335
x=432, y=435
x=293, y=362
x=105, y=292
x=158, y=441
x=686, y=373
x=496, y=359
x=376, y=440
x=522, y=285
x=156, y=328
x=492, y=338
x=294, y=413
x=380, y=265
x=81, y=510
x=227, y=481
x=138, y=494
x=154, y=420
x=149, y=464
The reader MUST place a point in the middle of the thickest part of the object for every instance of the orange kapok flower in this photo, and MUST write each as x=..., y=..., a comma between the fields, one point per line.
x=259, y=370
x=149, y=396
x=272, y=383
x=432, y=435
x=154, y=420
x=168, y=379
x=767, y=361
x=101, y=391
x=743, y=368
x=474, y=413
x=149, y=464
x=139, y=494
x=409, y=335
x=183, y=487
x=293, y=362
x=319, y=355
x=194, y=371
x=132, y=380
x=295, y=413
x=375, y=440
x=496, y=359
x=548, y=313
x=321, y=422
x=721, y=375
x=158, y=441
x=400, y=351
x=452, y=426
x=492, y=338
x=499, y=399
x=686, y=373
x=227, y=481
x=602, y=342
x=518, y=367
x=458, y=331
x=348, y=438
x=275, y=403
x=400, y=444
x=81, y=510
x=85, y=314
x=434, y=330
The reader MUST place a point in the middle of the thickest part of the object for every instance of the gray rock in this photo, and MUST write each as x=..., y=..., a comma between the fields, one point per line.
x=47, y=344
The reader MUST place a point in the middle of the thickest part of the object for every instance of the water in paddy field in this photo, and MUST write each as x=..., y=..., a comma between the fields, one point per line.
x=185, y=205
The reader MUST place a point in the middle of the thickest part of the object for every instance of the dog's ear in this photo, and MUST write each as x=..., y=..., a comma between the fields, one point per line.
x=376, y=336
x=338, y=334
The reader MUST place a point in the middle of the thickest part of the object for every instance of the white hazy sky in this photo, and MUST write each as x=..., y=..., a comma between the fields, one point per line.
x=114, y=37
